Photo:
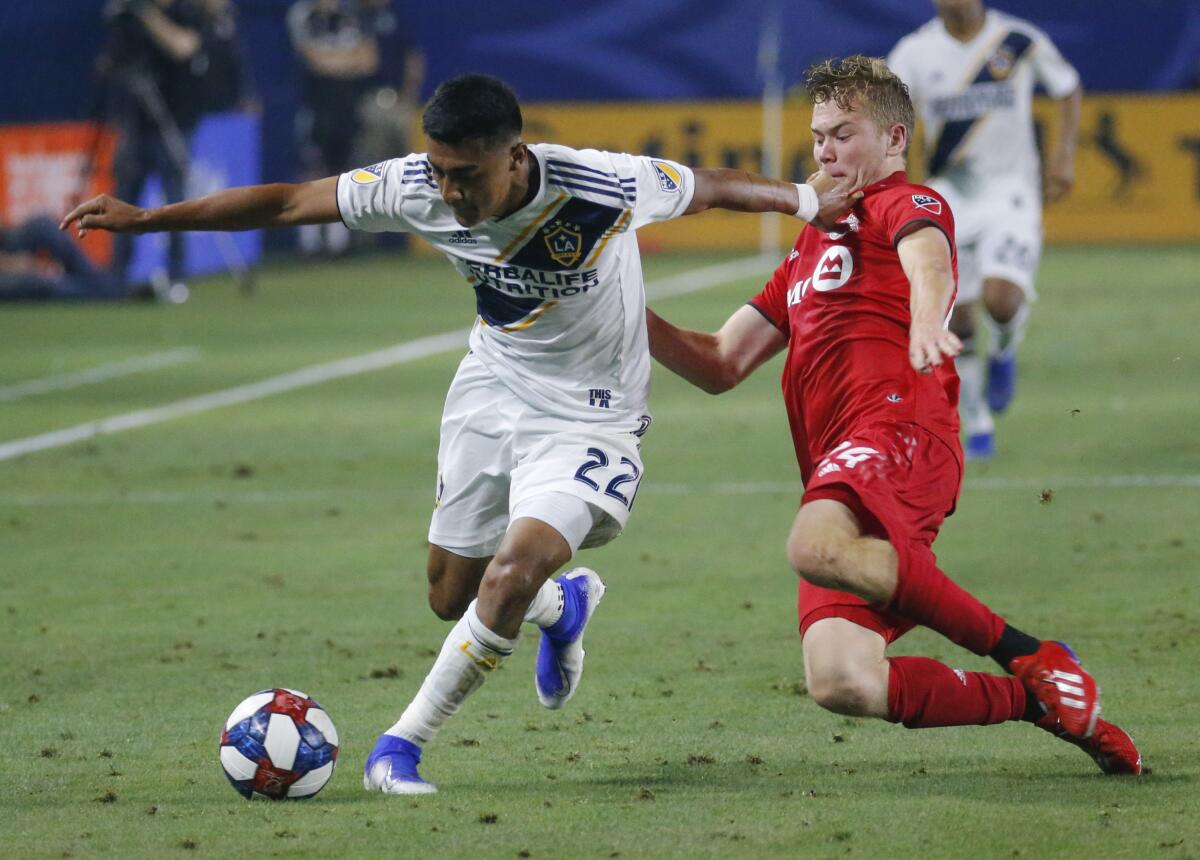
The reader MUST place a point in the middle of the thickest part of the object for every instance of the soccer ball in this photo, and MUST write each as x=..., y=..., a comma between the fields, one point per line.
x=278, y=744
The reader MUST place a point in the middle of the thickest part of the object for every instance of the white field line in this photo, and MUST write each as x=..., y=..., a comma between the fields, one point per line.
x=103, y=373
x=764, y=488
x=685, y=282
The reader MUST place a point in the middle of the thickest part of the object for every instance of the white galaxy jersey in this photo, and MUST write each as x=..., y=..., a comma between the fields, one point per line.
x=975, y=98
x=558, y=284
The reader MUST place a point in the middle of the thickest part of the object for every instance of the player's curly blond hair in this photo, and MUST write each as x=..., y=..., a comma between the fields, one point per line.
x=864, y=80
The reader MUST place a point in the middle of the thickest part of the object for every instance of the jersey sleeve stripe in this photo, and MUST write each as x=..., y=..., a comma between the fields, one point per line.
x=611, y=179
x=590, y=189
x=569, y=165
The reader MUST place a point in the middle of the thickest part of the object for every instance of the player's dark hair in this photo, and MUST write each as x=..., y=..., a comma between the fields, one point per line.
x=473, y=107
x=866, y=80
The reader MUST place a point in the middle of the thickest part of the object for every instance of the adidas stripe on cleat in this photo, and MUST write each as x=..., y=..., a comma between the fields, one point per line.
x=1053, y=675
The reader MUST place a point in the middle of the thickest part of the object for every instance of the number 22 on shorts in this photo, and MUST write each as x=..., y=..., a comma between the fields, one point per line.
x=629, y=473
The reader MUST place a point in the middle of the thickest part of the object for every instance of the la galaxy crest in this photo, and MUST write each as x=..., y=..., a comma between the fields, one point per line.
x=1001, y=63
x=564, y=241
x=367, y=175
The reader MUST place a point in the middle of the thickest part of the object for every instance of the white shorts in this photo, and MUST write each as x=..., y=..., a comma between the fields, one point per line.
x=497, y=455
x=998, y=231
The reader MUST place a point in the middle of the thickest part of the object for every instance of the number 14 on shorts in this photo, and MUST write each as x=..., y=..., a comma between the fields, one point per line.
x=596, y=468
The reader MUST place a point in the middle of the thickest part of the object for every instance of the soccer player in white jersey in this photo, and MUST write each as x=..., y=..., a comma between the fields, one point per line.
x=971, y=72
x=539, y=452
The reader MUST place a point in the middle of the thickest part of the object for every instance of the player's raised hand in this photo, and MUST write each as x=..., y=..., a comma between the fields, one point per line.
x=835, y=197
x=1058, y=178
x=929, y=345
x=105, y=213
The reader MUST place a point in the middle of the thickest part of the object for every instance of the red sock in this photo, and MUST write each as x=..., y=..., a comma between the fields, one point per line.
x=927, y=596
x=924, y=693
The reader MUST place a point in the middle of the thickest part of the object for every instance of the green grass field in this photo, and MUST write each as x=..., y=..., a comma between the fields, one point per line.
x=151, y=579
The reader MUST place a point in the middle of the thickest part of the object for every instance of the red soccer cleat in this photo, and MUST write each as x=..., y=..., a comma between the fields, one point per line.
x=1110, y=746
x=1052, y=675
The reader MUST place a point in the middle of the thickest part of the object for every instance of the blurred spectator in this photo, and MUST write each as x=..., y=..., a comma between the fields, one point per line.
x=388, y=109
x=155, y=100
x=38, y=262
x=165, y=64
x=362, y=84
x=220, y=66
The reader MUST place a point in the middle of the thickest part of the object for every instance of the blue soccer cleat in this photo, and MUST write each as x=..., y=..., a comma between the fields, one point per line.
x=1001, y=381
x=560, y=653
x=980, y=446
x=392, y=768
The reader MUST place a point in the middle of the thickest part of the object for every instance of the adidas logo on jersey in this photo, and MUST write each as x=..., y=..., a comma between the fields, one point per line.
x=462, y=237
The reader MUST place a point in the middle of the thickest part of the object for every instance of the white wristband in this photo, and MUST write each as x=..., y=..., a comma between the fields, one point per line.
x=808, y=202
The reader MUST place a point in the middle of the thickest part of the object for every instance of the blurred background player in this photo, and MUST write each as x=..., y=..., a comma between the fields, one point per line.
x=972, y=72
x=350, y=87
x=390, y=109
x=165, y=64
x=870, y=390
x=541, y=432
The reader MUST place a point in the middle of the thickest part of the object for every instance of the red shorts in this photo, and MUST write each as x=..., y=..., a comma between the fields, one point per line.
x=901, y=481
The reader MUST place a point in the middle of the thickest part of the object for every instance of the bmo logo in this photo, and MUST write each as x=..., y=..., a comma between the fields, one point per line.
x=833, y=269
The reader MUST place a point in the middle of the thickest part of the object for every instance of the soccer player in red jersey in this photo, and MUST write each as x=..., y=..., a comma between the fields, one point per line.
x=871, y=396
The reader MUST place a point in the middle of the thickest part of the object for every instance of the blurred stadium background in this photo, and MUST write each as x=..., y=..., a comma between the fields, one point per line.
x=680, y=78
x=149, y=580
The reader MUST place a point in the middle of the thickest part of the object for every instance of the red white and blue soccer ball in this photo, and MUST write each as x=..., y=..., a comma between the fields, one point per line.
x=279, y=744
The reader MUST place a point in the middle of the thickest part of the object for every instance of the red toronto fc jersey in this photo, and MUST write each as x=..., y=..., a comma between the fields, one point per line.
x=842, y=300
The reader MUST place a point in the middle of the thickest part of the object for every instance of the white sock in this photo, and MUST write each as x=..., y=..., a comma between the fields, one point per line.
x=547, y=606
x=310, y=238
x=1007, y=336
x=337, y=237
x=469, y=654
x=976, y=417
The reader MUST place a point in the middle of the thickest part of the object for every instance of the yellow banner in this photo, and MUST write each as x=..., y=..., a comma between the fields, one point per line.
x=1137, y=170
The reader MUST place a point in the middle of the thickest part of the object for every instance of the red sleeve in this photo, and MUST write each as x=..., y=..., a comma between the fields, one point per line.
x=772, y=301
x=911, y=207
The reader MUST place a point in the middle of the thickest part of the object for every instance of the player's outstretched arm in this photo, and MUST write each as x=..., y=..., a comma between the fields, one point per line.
x=246, y=208
x=718, y=361
x=925, y=257
x=821, y=201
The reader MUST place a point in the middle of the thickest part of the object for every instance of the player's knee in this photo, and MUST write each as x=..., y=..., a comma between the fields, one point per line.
x=844, y=688
x=446, y=605
x=514, y=577
x=962, y=323
x=1003, y=300
x=814, y=556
